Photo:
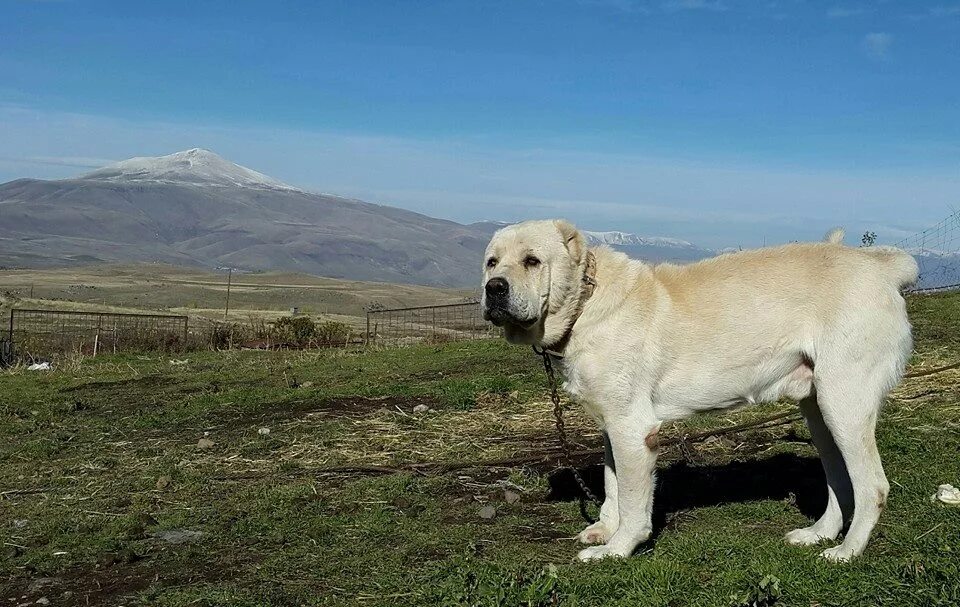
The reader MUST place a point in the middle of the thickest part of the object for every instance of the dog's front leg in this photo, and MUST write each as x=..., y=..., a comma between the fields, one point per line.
x=634, y=448
x=601, y=531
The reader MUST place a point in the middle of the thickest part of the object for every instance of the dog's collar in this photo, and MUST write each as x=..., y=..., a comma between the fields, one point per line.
x=588, y=283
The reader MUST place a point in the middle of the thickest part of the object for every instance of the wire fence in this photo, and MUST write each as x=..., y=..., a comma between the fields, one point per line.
x=451, y=322
x=43, y=333
x=937, y=251
x=34, y=334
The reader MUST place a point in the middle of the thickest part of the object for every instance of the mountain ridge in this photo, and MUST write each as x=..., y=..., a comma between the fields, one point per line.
x=196, y=208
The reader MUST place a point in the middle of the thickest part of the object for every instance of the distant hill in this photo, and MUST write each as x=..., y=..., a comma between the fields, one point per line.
x=195, y=208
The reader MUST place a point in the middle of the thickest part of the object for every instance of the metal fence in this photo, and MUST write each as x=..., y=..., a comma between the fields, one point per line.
x=43, y=333
x=937, y=251
x=452, y=322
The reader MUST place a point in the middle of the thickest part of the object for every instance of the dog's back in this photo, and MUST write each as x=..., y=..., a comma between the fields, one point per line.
x=791, y=275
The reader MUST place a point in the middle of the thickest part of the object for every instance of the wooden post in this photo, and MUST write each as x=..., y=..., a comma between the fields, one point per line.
x=96, y=338
x=366, y=336
x=226, y=308
x=186, y=321
x=10, y=337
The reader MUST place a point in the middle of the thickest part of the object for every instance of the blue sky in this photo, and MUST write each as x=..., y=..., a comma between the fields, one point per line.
x=725, y=122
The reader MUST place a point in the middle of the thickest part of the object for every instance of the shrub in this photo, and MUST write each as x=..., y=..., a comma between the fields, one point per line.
x=332, y=332
x=297, y=330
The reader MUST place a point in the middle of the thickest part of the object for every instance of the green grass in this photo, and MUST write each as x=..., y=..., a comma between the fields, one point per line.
x=101, y=455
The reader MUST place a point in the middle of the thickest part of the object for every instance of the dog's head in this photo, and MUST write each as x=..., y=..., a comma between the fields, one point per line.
x=530, y=270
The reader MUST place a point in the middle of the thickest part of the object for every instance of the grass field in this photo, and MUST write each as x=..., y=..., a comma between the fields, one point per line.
x=133, y=480
x=202, y=294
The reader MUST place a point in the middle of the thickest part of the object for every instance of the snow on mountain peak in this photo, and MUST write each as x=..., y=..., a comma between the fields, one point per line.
x=625, y=238
x=195, y=166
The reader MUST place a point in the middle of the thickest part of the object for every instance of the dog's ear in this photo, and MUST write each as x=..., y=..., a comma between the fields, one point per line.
x=572, y=238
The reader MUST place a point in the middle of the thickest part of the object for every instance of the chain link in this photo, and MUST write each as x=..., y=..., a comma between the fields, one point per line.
x=586, y=493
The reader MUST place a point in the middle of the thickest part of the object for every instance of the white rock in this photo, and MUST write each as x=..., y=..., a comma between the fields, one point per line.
x=178, y=536
x=948, y=494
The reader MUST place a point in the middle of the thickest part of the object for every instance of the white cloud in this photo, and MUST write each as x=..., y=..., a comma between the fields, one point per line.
x=626, y=6
x=716, y=201
x=693, y=5
x=841, y=12
x=65, y=161
x=877, y=45
x=946, y=11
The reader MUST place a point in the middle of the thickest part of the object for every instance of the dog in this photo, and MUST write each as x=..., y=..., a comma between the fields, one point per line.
x=822, y=324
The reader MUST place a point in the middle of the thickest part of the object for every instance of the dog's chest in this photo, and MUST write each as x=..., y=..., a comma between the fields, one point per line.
x=591, y=387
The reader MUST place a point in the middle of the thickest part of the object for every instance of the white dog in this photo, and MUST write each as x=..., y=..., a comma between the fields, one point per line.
x=638, y=345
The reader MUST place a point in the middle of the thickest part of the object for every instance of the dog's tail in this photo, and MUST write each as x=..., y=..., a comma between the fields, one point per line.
x=834, y=236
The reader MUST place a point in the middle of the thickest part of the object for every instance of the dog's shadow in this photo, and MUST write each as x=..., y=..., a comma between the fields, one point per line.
x=681, y=486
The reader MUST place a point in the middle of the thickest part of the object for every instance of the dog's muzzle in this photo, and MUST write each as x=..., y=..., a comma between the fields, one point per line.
x=497, y=304
x=496, y=301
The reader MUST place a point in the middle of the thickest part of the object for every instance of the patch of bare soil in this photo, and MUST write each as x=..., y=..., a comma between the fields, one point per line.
x=146, y=381
x=147, y=390
x=113, y=581
x=358, y=406
x=350, y=407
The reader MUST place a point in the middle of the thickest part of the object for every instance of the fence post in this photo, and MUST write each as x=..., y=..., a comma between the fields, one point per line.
x=366, y=336
x=96, y=339
x=186, y=321
x=11, y=351
x=226, y=308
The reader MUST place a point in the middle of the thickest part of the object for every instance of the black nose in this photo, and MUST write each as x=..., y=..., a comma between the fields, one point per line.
x=497, y=287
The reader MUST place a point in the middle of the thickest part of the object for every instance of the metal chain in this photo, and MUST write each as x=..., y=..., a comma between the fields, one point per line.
x=586, y=493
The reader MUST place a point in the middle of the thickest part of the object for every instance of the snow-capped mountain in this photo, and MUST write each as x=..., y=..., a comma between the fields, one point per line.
x=196, y=208
x=628, y=239
x=937, y=268
x=194, y=167
x=654, y=249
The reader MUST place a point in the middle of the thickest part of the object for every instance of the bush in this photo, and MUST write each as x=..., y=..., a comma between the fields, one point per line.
x=297, y=330
x=302, y=331
x=332, y=332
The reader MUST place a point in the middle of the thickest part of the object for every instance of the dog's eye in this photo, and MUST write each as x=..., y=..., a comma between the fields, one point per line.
x=531, y=262
x=491, y=262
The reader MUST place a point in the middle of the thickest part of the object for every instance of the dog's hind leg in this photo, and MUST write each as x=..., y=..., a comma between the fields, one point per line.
x=602, y=530
x=849, y=403
x=839, y=490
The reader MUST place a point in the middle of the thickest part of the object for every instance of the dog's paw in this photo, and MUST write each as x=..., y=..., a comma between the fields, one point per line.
x=838, y=554
x=597, y=533
x=806, y=536
x=598, y=552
